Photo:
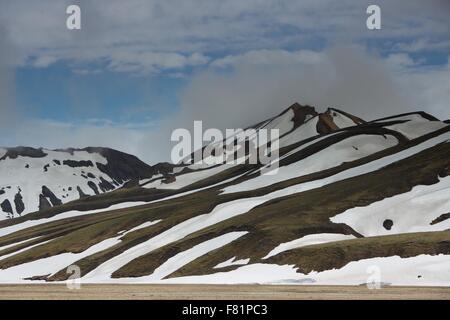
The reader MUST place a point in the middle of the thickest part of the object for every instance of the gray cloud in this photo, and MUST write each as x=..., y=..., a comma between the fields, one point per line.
x=257, y=80
x=259, y=85
x=7, y=111
x=129, y=34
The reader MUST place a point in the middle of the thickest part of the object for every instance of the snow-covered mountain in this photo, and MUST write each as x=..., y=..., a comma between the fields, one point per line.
x=351, y=199
x=37, y=179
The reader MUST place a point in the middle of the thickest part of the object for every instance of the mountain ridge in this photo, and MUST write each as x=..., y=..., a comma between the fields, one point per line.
x=102, y=169
x=362, y=193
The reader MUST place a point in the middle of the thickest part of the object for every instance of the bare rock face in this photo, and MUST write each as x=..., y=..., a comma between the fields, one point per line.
x=169, y=179
x=18, y=202
x=50, y=196
x=301, y=113
x=387, y=224
x=44, y=203
x=334, y=119
x=6, y=206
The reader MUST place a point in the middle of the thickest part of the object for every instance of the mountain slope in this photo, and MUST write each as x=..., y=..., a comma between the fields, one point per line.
x=349, y=194
x=37, y=179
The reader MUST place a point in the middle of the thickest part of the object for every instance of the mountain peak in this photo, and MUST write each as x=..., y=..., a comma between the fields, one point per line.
x=301, y=113
x=64, y=175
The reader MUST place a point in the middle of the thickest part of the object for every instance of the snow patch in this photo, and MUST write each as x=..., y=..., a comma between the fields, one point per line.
x=307, y=241
x=142, y=226
x=412, y=211
x=232, y=262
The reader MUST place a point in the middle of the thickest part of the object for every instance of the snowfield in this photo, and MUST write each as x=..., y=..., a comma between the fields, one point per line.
x=213, y=235
x=26, y=176
x=410, y=212
x=283, y=123
x=308, y=130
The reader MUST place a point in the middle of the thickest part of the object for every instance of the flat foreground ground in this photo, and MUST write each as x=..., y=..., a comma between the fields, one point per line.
x=213, y=292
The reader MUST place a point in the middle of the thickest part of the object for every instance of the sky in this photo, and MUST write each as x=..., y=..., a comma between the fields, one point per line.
x=138, y=69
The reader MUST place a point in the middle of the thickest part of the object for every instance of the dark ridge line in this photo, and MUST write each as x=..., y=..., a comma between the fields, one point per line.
x=293, y=106
x=341, y=136
x=441, y=218
x=421, y=113
x=362, y=161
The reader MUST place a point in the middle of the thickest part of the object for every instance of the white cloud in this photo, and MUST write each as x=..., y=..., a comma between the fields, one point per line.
x=344, y=77
x=44, y=61
x=151, y=62
x=400, y=60
x=176, y=33
x=269, y=57
x=261, y=83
